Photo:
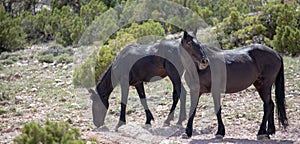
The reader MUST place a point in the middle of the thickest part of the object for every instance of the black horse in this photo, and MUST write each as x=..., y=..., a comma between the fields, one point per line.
x=144, y=63
x=231, y=71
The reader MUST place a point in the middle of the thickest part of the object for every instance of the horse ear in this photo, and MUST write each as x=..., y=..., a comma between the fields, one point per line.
x=93, y=94
x=185, y=35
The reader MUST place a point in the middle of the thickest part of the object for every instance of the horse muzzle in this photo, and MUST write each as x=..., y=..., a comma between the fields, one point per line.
x=203, y=64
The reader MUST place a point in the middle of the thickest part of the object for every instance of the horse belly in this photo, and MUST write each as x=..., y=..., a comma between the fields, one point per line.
x=240, y=77
x=146, y=71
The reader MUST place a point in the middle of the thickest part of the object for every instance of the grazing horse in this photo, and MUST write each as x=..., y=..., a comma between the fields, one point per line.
x=144, y=63
x=254, y=64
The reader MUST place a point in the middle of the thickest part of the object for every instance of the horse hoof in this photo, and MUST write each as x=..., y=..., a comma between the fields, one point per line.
x=101, y=129
x=263, y=137
x=185, y=136
x=119, y=125
x=218, y=136
x=179, y=125
x=147, y=126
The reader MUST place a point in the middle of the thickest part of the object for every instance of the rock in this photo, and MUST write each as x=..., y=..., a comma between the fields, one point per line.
x=32, y=105
x=63, y=99
x=137, y=132
x=2, y=76
x=59, y=84
x=33, y=90
x=18, y=99
x=58, y=80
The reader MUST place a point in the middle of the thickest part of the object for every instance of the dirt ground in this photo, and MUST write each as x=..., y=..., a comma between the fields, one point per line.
x=38, y=91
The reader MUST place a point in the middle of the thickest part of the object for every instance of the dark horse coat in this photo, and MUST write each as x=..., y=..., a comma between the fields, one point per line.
x=232, y=71
x=143, y=63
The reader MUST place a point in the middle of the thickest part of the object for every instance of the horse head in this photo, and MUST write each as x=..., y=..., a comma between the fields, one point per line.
x=195, y=50
x=99, y=109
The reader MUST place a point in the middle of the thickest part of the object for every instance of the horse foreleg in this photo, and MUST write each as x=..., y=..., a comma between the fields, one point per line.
x=221, y=129
x=142, y=95
x=217, y=103
x=124, y=98
x=193, y=108
x=182, y=114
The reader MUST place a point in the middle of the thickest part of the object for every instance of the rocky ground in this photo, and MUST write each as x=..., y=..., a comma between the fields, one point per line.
x=34, y=91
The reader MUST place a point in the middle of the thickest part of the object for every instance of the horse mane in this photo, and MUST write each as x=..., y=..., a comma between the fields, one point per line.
x=104, y=85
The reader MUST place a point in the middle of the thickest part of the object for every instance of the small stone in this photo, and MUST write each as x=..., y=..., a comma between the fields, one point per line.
x=58, y=80
x=2, y=76
x=18, y=99
x=32, y=105
x=65, y=67
x=59, y=84
x=63, y=99
x=33, y=90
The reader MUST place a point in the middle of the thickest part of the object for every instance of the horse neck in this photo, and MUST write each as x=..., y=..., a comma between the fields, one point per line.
x=105, y=87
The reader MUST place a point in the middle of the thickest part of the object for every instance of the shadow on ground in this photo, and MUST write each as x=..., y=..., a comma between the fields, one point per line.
x=238, y=141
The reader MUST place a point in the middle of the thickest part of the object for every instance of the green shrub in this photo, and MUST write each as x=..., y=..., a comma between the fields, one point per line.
x=89, y=11
x=2, y=111
x=287, y=33
x=64, y=58
x=67, y=26
x=52, y=132
x=84, y=74
x=37, y=26
x=287, y=40
x=12, y=36
x=49, y=58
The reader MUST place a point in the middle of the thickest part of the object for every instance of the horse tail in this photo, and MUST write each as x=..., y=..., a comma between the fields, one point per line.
x=280, y=97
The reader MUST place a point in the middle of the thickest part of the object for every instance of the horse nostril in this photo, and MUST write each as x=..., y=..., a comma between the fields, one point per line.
x=204, y=61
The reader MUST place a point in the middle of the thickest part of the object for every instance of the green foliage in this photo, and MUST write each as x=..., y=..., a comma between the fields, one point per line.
x=287, y=34
x=2, y=111
x=57, y=54
x=49, y=58
x=37, y=27
x=89, y=11
x=237, y=22
x=7, y=58
x=276, y=25
x=287, y=40
x=61, y=21
x=52, y=132
x=64, y=58
x=84, y=74
x=12, y=36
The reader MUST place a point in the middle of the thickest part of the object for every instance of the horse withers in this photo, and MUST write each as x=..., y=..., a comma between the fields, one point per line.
x=141, y=63
x=232, y=71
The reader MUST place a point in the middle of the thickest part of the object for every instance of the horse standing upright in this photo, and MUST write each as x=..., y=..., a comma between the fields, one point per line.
x=254, y=64
x=140, y=63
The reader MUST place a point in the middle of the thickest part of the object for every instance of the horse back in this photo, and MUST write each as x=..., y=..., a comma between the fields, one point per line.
x=268, y=61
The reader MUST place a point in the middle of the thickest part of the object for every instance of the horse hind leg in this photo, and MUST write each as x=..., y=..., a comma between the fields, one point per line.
x=142, y=95
x=265, y=94
x=176, y=81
